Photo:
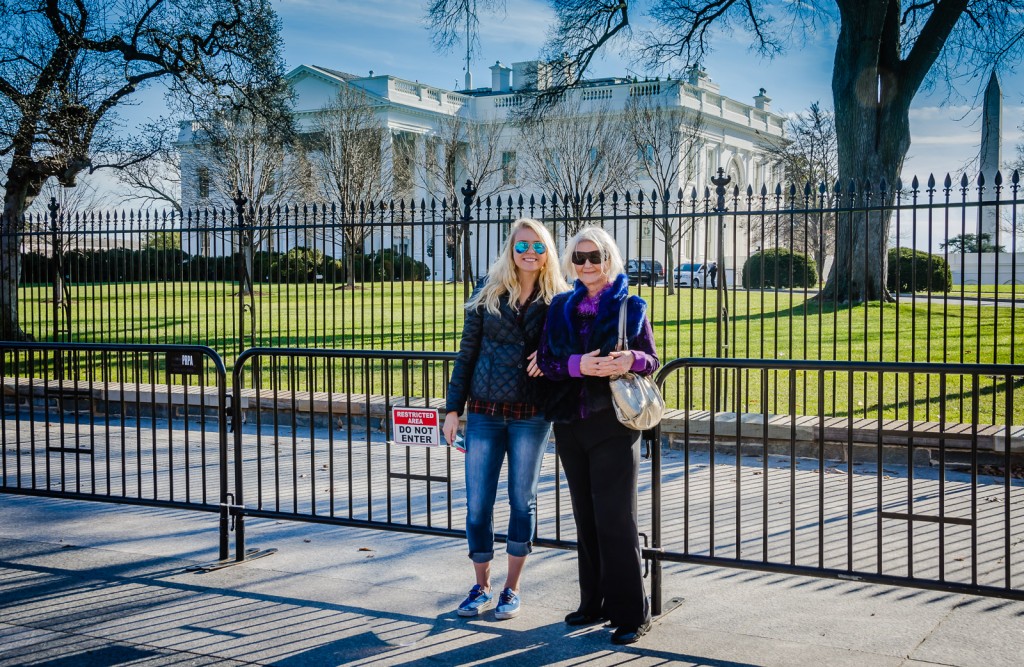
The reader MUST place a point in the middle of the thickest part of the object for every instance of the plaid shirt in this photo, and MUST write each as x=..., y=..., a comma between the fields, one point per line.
x=506, y=410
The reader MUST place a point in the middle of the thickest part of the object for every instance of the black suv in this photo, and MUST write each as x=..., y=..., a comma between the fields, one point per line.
x=645, y=272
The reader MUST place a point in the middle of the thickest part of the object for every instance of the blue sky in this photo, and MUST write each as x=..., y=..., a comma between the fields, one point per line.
x=390, y=37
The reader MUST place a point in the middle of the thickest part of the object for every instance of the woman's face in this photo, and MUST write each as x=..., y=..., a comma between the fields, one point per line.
x=528, y=261
x=594, y=276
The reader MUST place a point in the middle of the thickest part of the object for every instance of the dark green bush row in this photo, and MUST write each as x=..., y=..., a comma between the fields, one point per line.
x=298, y=265
x=781, y=268
x=918, y=270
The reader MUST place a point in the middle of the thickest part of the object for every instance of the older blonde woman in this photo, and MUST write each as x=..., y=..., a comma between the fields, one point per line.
x=600, y=456
x=495, y=379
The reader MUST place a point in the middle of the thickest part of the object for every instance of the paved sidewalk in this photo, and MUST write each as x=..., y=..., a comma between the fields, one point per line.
x=96, y=584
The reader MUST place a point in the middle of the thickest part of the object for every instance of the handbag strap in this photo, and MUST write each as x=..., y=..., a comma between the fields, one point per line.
x=622, y=343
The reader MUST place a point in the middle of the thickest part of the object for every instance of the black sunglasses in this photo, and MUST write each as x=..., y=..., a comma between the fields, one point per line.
x=580, y=258
x=523, y=246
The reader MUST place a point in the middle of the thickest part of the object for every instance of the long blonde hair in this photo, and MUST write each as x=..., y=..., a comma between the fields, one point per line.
x=502, y=278
x=605, y=245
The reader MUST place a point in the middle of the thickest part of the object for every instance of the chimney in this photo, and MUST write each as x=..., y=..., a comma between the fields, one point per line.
x=762, y=101
x=501, y=78
x=530, y=75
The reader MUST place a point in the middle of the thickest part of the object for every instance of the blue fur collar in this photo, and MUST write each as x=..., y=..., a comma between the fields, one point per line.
x=563, y=338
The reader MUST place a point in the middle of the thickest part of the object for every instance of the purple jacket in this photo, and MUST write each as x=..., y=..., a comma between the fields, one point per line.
x=575, y=326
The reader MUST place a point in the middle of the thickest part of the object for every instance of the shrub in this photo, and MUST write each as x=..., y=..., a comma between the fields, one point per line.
x=390, y=265
x=299, y=265
x=780, y=267
x=919, y=271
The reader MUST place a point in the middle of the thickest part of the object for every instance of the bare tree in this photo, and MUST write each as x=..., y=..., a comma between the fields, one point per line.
x=66, y=67
x=666, y=138
x=460, y=151
x=808, y=158
x=155, y=179
x=345, y=153
x=575, y=149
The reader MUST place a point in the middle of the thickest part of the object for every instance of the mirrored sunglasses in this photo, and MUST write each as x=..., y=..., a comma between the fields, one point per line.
x=523, y=246
x=580, y=258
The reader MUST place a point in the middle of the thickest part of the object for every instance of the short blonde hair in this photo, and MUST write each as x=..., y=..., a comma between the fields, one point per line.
x=606, y=246
x=502, y=278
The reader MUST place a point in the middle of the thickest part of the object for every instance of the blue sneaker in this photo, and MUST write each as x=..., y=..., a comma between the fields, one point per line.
x=478, y=601
x=508, y=605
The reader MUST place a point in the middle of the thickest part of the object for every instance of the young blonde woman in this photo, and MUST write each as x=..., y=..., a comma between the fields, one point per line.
x=495, y=379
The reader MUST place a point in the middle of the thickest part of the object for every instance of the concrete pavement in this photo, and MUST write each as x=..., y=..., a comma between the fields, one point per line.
x=97, y=584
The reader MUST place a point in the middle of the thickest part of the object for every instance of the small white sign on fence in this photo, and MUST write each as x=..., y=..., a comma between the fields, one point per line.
x=415, y=426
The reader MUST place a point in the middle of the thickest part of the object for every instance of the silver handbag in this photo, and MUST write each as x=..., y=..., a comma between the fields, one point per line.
x=637, y=400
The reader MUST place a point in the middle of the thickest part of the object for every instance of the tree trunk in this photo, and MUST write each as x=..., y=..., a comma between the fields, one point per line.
x=23, y=186
x=873, y=135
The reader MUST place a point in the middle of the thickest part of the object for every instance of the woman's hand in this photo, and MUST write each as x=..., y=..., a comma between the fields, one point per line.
x=616, y=363
x=590, y=363
x=621, y=362
x=532, y=369
x=451, y=426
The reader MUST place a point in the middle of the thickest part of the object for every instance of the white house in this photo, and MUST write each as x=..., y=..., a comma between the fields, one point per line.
x=732, y=132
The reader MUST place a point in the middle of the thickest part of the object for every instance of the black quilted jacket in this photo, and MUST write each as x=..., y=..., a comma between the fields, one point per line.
x=491, y=365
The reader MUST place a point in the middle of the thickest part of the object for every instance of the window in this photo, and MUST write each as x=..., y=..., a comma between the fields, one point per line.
x=508, y=168
x=203, y=182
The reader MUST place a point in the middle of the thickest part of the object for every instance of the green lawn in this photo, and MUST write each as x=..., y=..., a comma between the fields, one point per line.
x=428, y=316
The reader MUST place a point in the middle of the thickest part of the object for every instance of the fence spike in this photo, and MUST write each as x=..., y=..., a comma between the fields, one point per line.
x=615, y=197
x=1015, y=178
x=883, y=185
x=764, y=189
x=981, y=179
x=999, y=178
x=948, y=183
x=915, y=185
x=750, y=191
x=964, y=183
x=693, y=194
x=778, y=189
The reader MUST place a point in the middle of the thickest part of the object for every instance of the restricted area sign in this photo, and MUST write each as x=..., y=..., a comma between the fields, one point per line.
x=415, y=426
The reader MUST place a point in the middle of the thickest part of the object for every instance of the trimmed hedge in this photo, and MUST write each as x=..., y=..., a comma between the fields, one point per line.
x=779, y=267
x=919, y=271
x=298, y=265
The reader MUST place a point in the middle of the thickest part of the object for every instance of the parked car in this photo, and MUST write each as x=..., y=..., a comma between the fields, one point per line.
x=691, y=274
x=645, y=272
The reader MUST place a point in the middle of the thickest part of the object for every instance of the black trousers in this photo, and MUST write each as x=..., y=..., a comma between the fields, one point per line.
x=601, y=459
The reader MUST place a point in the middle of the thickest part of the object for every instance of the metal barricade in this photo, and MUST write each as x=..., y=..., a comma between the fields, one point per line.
x=135, y=424
x=906, y=474
x=315, y=443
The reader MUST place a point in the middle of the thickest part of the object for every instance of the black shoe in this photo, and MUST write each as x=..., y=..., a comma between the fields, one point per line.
x=580, y=617
x=626, y=635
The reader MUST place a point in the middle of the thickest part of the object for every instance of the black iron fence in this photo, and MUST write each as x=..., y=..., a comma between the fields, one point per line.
x=395, y=275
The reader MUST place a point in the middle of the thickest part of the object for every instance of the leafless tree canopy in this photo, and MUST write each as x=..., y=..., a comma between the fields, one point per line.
x=809, y=161
x=666, y=139
x=345, y=150
x=577, y=149
x=67, y=65
x=457, y=152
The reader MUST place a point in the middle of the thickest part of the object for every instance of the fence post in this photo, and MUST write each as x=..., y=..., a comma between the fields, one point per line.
x=245, y=286
x=721, y=303
x=468, y=193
